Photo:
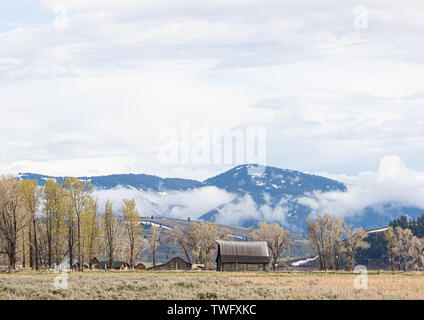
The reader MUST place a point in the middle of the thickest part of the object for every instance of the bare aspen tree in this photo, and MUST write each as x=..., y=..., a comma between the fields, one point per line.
x=417, y=253
x=209, y=233
x=31, y=201
x=198, y=240
x=43, y=247
x=193, y=235
x=70, y=228
x=123, y=248
x=391, y=243
x=178, y=237
x=153, y=242
x=397, y=248
x=326, y=234
x=78, y=193
x=275, y=236
x=354, y=240
x=335, y=241
x=59, y=228
x=131, y=219
x=404, y=247
x=90, y=228
x=13, y=217
x=318, y=234
x=110, y=230
x=54, y=207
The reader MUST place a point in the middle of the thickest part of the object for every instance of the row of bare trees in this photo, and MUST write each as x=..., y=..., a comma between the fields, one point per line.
x=404, y=249
x=332, y=239
x=40, y=226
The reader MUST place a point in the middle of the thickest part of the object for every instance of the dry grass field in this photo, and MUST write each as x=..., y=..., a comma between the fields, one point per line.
x=209, y=285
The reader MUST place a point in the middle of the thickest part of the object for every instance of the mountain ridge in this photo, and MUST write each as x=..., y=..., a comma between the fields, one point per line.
x=258, y=193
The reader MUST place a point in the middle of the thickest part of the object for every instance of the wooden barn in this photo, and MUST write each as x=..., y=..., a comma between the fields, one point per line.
x=242, y=256
x=176, y=263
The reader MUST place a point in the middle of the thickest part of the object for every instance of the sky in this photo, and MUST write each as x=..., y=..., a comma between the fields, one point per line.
x=100, y=87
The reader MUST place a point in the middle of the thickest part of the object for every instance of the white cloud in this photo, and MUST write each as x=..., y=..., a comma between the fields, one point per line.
x=232, y=209
x=393, y=183
x=177, y=204
x=245, y=209
x=333, y=98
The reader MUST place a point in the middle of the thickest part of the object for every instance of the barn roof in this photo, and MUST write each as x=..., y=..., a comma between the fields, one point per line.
x=243, y=251
x=170, y=261
x=147, y=264
x=101, y=258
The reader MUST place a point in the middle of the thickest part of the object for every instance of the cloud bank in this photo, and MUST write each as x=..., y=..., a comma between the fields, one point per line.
x=393, y=183
x=104, y=87
x=178, y=204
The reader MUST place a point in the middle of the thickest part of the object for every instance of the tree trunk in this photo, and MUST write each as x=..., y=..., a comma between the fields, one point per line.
x=187, y=255
x=31, y=253
x=35, y=244
x=49, y=258
x=71, y=247
x=23, y=249
x=154, y=256
x=347, y=263
x=81, y=265
x=337, y=262
x=110, y=257
x=12, y=257
x=391, y=261
x=132, y=256
x=321, y=266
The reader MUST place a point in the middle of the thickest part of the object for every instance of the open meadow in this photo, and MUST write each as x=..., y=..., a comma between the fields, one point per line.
x=96, y=285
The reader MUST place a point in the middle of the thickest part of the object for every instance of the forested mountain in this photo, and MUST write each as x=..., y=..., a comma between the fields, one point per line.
x=255, y=193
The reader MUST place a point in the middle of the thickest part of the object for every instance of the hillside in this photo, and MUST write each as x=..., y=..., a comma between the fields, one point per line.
x=137, y=181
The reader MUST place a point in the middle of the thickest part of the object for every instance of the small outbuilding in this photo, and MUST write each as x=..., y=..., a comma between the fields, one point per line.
x=142, y=265
x=242, y=256
x=176, y=263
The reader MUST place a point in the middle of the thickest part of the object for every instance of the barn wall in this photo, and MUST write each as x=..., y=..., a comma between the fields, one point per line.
x=242, y=267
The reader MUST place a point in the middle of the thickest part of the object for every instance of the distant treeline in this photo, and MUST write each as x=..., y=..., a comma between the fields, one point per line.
x=378, y=253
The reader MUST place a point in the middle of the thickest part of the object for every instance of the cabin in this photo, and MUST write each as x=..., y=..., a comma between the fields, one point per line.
x=103, y=263
x=242, y=256
x=142, y=265
x=176, y=263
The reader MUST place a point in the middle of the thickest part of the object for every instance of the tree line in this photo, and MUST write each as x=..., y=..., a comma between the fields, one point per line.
x=335, y=241
x=40, y=226
x=401, y=245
